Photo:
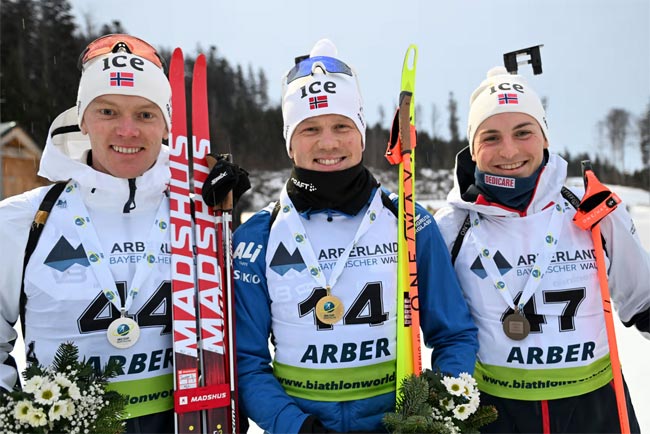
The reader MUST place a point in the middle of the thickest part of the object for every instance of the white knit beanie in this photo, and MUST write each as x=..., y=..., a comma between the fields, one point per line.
x=502, y=92
x=321, y=93
x=122, y=73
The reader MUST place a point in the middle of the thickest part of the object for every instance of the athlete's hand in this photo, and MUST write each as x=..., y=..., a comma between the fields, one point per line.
x=224, y=177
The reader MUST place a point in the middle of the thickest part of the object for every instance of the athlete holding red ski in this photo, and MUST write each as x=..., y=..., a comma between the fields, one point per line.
x=102, y=263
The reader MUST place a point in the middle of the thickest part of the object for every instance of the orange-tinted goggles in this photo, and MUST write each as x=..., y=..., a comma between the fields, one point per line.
x=117, y=41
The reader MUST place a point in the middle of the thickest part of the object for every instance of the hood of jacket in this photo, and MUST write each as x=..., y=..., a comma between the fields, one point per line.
x=549, y=185
x=65, y=157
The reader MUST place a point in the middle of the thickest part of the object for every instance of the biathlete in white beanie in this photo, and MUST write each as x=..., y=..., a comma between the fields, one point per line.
x=102, y=261
x=317, y=271
x=529, y=273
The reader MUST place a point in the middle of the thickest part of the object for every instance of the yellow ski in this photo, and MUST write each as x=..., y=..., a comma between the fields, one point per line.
x=401, y=151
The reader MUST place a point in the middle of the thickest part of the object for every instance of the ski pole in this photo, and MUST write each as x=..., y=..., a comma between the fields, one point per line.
x=223, y=226
x=597, y=203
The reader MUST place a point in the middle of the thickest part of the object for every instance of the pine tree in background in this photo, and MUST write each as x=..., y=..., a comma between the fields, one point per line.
x=452, y=107
x=56, y=55
x=39, y=47
x=18, y=95
x=644, y=143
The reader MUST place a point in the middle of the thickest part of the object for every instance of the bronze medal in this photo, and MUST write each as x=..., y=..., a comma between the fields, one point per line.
x=329, y=309
x=516, y=326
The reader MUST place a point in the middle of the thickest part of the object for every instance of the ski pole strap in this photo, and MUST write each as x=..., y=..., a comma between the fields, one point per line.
x=586, y=219
x=406, y=130
x=34, y=234
x=575, y=202
x=597, y=203
x=397, y=145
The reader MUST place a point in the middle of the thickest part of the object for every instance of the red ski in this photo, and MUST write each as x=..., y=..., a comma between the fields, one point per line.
x=204, y=389
x=186, y=376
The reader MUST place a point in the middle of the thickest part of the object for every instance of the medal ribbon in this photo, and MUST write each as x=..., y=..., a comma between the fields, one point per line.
x=306, y=249
x=543, y=258
x=80, y=217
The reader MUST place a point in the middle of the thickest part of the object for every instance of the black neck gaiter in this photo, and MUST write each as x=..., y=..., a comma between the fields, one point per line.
x=515, y=193
x=347, y=191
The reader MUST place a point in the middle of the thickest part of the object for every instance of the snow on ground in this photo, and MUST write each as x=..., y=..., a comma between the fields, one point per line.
x=634, y=350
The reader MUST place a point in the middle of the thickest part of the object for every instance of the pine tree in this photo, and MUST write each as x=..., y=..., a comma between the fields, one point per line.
x=452, y=106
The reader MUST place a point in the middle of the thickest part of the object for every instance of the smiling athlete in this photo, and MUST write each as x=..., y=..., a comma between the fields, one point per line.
x=529, y=273
x=99, y=276
x=318, y=272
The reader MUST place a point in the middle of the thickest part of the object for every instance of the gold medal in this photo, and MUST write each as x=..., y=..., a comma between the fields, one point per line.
x=123, y=332
x=516, y=326
x=329, y=309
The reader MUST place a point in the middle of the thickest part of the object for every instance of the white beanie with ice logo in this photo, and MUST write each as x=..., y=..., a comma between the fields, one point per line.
x=502, y=92
x=309, y=89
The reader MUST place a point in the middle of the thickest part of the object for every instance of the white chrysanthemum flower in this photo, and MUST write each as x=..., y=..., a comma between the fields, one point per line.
x=461, y=412
x=473, y=404
x=62, y=380
x=447, y=403
x=33, y=384
x=471, y=381
x=73, y=391
x=70, y=409
x=48, y=393
x=58, y=410
x=37, y=417
x=454, y=385
x=23, y=408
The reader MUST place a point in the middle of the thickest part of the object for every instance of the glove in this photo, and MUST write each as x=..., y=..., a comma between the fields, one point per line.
x=224, y=177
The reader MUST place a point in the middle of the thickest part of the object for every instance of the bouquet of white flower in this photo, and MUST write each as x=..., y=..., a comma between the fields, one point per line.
x=68, y=397
x=434, y=403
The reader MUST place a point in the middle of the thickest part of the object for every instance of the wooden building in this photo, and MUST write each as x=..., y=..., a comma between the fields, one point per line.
x=19, y=160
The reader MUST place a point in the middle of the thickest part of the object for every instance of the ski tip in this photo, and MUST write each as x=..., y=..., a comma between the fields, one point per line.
x=178, y=52
x=200, y=73
x=411, y=57
x=408, y=69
